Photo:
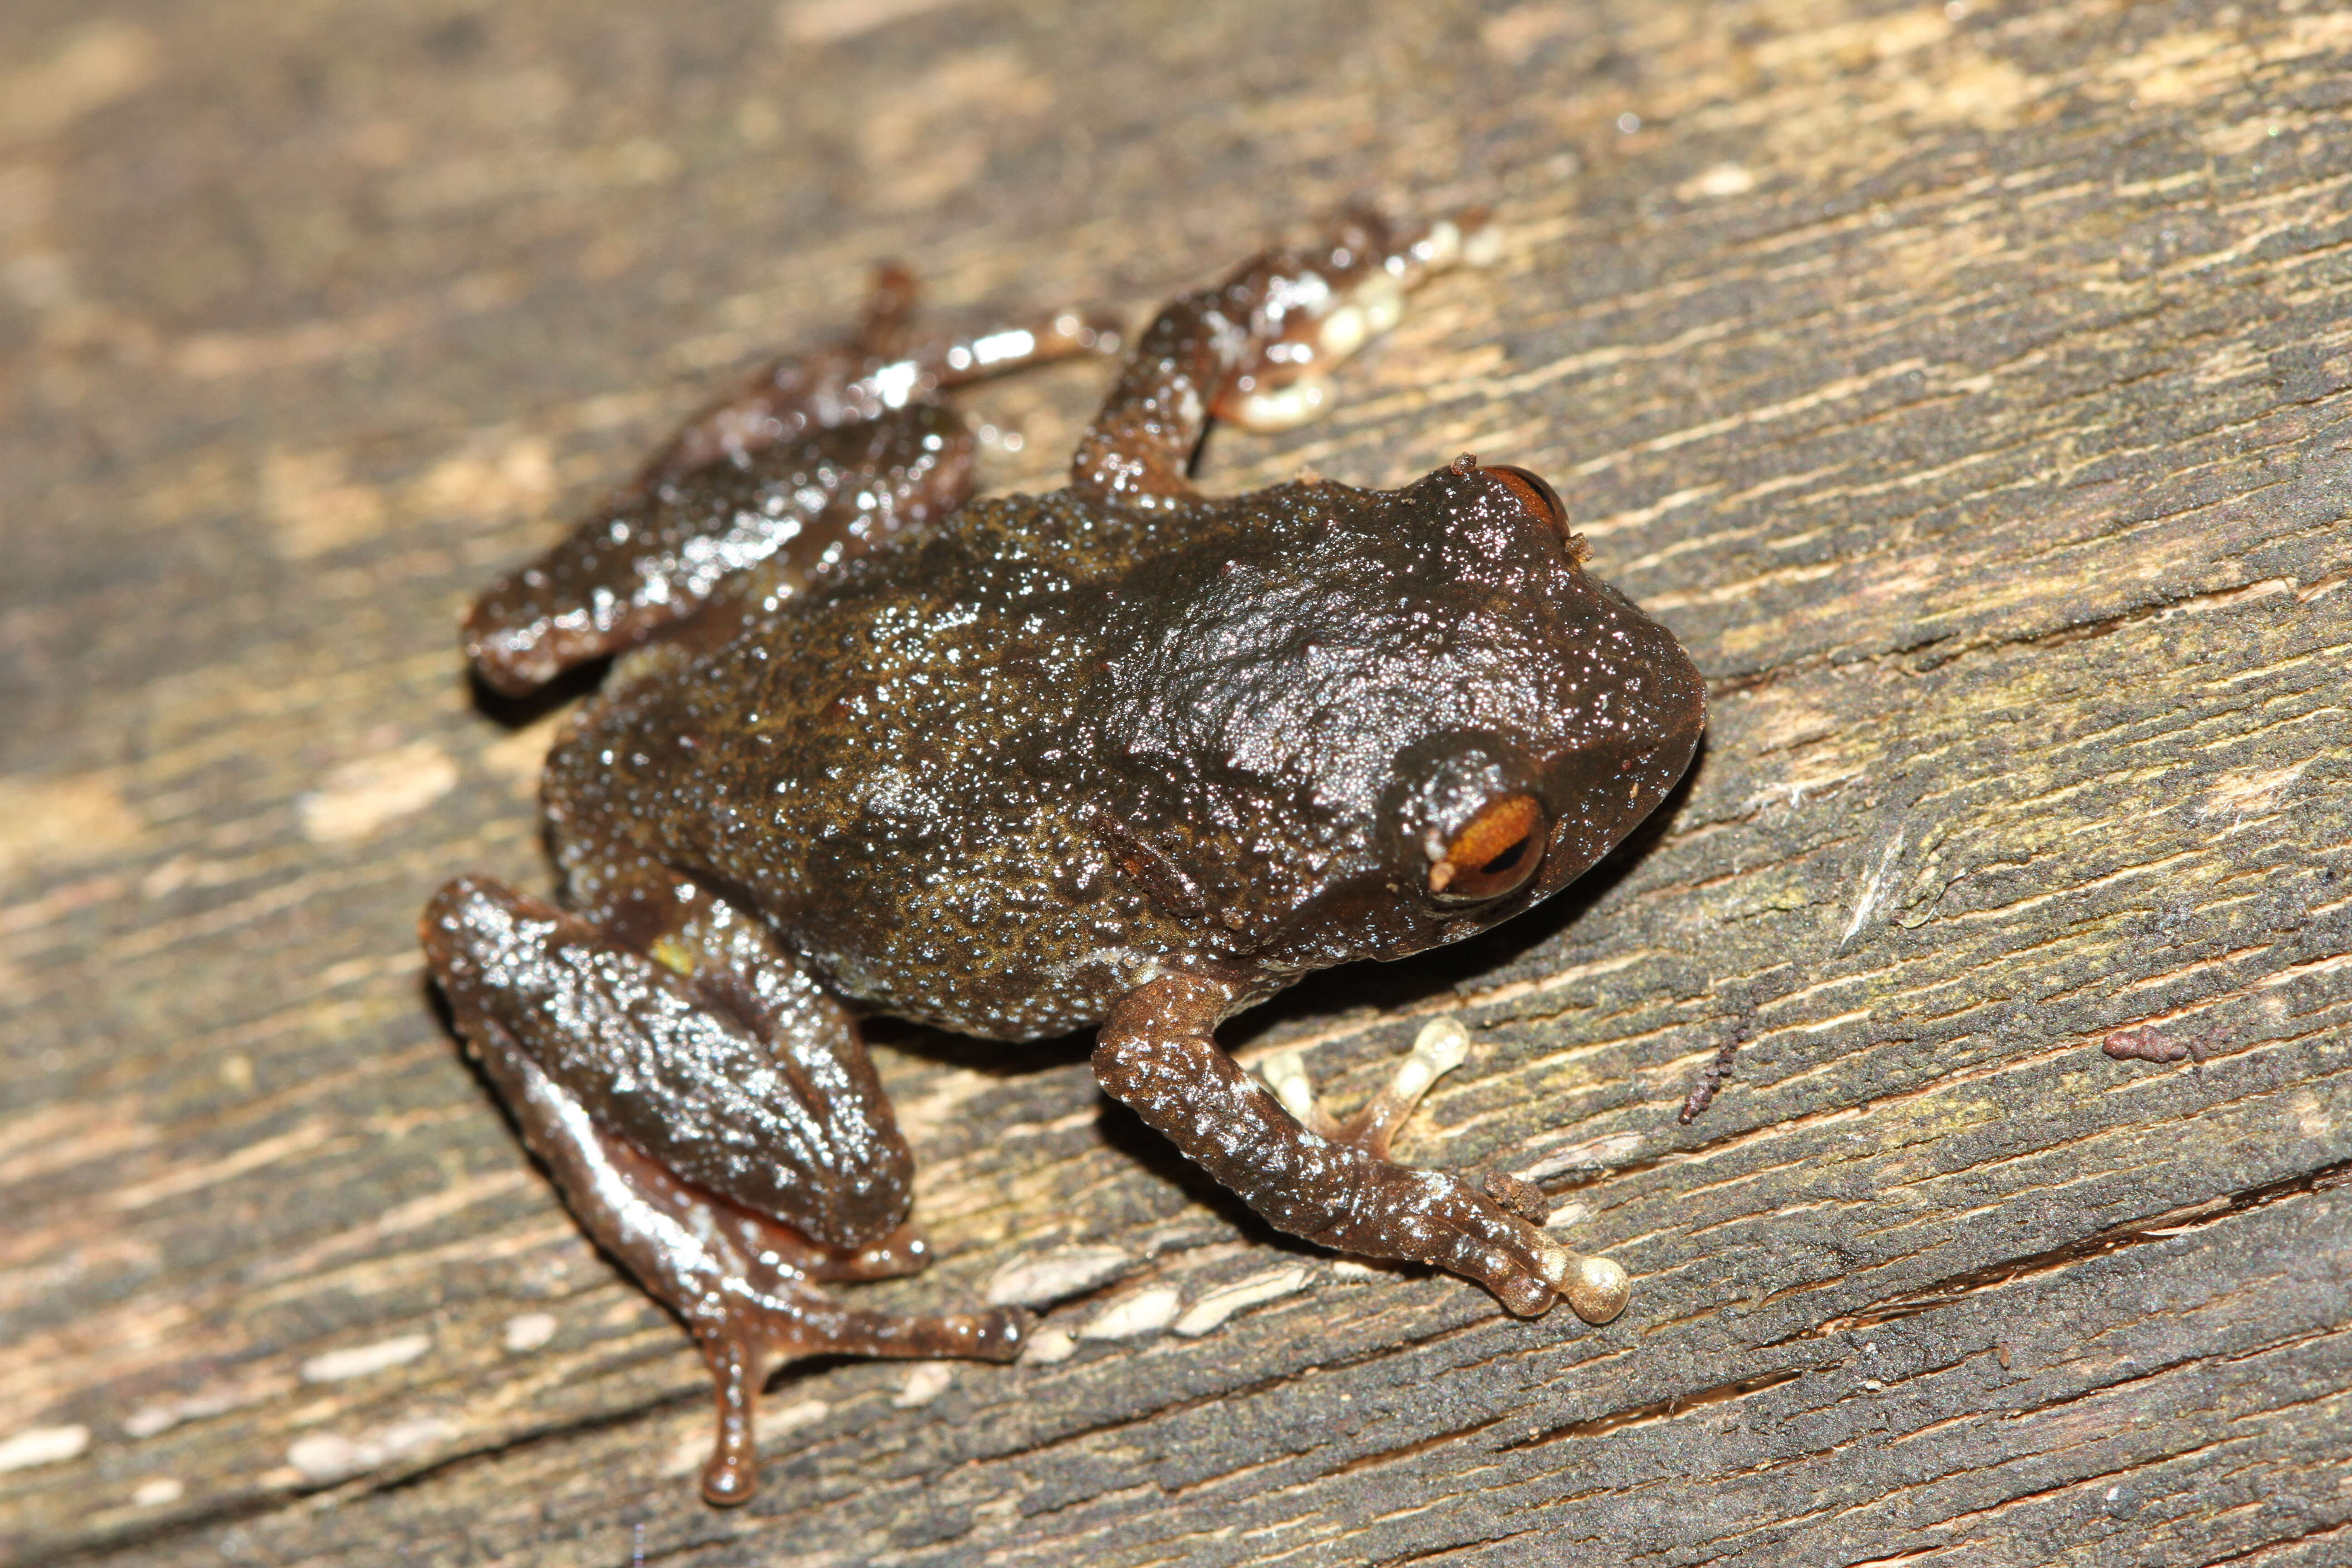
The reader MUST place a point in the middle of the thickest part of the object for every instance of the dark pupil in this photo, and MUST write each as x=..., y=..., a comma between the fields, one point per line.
x=1507, y=861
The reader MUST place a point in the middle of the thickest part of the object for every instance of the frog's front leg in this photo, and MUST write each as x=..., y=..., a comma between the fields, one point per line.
x=1157, y=1055
x=1257, y=349
x=719, y=1132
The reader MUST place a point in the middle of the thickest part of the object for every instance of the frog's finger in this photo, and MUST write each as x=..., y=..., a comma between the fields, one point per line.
x=1349, y=293
x=952, y=362
x=882, y=367
x=813, y=461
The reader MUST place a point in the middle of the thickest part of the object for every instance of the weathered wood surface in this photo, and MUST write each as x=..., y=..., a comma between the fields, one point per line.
x=1968, y=385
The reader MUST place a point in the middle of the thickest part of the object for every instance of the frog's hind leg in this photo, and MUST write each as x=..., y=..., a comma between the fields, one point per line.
x=1258, y=347
x=817, y=458
x=885, y=364
x=738, y=1278
x=709, y=1116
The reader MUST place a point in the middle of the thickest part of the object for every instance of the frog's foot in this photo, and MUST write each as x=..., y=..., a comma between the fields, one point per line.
x=1157, y=1055
x=1596, y=1287
x=1258, y=349
x=1338, y=297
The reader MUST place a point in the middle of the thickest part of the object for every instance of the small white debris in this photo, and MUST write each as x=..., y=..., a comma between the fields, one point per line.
x=360, y=797
x=1872, y=1383
x=165, y=1414
x=162, y=1489
x=925, y=1382
x=686, y=1456
x=1047, y=1346
x=323, y=1455
x=1567, y=1213
x=149, y=1419
x=1483, y=247
x=778, y=1419
x=1722, y=180
x=1056, y=1276
x=333, y=1367
x=1607, y=1151
x=1350, y=1269
x=1145, y=1313
x=330, y=1456
x=2249, y=792
x=43, y=1445
x=1214, y=1307
x=528, y=1331
x=1874, y=889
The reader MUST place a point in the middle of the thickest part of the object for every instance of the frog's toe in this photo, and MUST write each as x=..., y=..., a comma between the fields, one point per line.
x=1597, y=1288
x=1336, y=302
x=1268, y=409
x=1522, y=1265
x=1527, y=1269
x=1441, y=1046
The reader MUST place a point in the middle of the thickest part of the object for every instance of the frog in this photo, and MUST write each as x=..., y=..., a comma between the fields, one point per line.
x=1123, y=755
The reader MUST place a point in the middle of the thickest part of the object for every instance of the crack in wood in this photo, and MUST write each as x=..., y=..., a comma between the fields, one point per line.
x=2130, y=1233
x=1668, y=1409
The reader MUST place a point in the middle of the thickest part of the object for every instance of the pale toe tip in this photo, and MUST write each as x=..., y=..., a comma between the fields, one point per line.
x=1598, y=1289
x=1442, y=1043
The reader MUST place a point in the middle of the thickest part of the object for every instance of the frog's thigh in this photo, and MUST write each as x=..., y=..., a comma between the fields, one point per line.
x=775, y=1111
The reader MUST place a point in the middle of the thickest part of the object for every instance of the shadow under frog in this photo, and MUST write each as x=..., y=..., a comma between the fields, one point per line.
x=1120, y=755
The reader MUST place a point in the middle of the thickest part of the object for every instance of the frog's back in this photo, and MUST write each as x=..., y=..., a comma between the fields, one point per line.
x=893, y=771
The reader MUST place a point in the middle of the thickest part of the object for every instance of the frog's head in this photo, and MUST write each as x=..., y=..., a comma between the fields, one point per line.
x=1415, y=712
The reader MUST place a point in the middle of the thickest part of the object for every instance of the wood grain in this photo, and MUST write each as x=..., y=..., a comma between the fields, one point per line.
x=1971, y=388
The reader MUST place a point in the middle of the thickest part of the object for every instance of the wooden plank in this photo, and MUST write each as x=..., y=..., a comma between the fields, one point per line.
x=1969, y=388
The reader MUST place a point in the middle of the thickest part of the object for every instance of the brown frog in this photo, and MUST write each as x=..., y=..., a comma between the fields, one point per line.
x=1123, y=754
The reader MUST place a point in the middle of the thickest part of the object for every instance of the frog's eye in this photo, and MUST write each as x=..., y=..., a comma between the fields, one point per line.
x=1495, y=853
x=1537, y=496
